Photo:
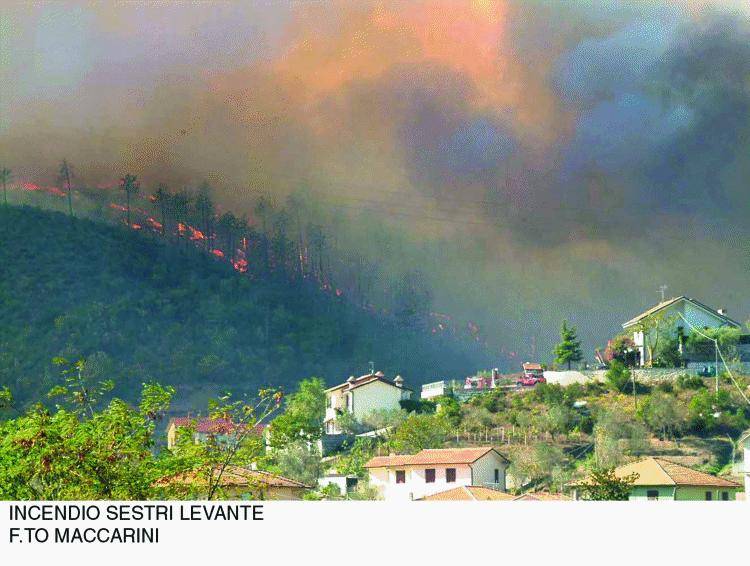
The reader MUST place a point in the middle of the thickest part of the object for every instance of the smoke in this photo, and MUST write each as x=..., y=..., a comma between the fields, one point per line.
x=534, y=160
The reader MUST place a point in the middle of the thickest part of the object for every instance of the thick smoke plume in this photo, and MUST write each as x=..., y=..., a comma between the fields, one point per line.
x=534, y=160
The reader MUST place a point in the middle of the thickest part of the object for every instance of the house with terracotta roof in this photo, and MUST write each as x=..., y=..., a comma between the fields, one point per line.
x=678, y=317
x=360, y=396
x=659, y=479
x=236, y=482
x=431, y=471
x=205, y=427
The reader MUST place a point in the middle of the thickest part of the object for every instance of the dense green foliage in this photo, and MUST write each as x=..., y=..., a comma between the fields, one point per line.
x=140, y=308
x=569, y=348
x=604, y=485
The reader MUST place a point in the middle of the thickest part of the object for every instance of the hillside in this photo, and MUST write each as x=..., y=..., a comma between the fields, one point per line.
x=140, y=308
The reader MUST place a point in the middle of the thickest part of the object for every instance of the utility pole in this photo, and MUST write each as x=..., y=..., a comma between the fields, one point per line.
x=716, y=365
x=662, y=288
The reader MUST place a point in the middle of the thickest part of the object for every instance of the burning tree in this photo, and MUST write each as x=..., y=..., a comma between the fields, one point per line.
x=129, y=184
x=162, y=198
x=66, y=173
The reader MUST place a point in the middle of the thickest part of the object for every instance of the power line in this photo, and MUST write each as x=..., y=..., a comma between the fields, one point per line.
x=720, y=354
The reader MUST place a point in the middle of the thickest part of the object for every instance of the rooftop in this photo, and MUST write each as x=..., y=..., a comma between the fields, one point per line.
x=354, y=382
x=468, y=493
x=210, y=425
x=660, y=472
x=675, y=300
x=433, y=456
x=233, y=476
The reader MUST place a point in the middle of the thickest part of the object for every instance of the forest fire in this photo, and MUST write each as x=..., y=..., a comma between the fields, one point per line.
x=32, y=187
x=215, y=230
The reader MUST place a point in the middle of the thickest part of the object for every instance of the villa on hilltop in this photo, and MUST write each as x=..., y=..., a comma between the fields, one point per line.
x=678, y=317
x=360, y=396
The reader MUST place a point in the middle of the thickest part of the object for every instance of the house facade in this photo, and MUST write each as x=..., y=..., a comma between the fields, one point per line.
x=659, y=479
x=431, y=471
x=360, y=396
x=677, y=317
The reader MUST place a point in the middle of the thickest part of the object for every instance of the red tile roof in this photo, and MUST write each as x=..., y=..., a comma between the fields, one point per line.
x=542, y=496
x=233, y=476
x=432, y=456
x=468, y=493
x=208, y=425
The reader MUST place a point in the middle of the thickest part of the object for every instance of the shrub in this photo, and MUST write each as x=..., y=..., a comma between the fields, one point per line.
x=617, y=376
x=665, y=387
x=686, y=381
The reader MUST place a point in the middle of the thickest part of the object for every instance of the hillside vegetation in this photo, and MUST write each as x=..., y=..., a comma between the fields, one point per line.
x=140, y=308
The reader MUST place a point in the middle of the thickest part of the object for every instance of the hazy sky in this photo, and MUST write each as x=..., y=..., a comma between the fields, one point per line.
x=539, y=159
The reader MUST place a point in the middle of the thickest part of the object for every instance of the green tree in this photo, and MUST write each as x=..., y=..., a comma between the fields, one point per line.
x=569, y=348
x=617, y=376
x=557, y=419
x=78, y=451
x=663, y=414
x=300, y=461
x=449, y=408
x=539, y=464
x=655, y=328
x=238, y=445
x=604, y=485
x=419, y=431
x=303, y=414
x=353, y=462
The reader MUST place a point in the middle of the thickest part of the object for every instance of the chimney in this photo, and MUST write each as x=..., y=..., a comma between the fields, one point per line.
x=722, y=311
x=351, y=380
x=399, y=381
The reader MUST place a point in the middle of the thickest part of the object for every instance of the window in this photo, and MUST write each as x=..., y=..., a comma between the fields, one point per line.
x=652, y=494
x=429, y=476
x=497, y=475
x=725, y=496
x=400, y=476
x=709, y=496
x=450, y=475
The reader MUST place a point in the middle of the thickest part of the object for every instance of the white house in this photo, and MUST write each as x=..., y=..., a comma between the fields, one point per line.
x=362, y=395
x=432, y=471
x=681, y=314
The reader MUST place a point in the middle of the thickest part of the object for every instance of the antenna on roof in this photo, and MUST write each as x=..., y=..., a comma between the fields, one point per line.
x=372, y=368
x=662, y=288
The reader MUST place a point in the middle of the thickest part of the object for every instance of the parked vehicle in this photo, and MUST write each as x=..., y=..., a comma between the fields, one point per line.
x=530, y=380
x=533, y=373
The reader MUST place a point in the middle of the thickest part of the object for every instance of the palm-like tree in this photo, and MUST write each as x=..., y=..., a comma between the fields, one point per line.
x=129, y=184
x=161, y=199
x=5, y=179
x=66, y=173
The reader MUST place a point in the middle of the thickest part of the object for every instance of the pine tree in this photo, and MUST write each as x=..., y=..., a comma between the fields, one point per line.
x=569, y=348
